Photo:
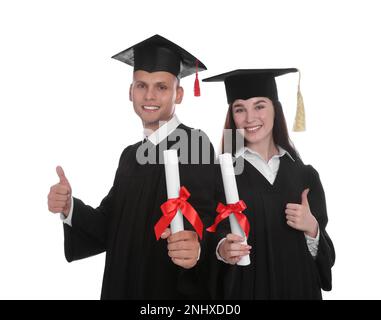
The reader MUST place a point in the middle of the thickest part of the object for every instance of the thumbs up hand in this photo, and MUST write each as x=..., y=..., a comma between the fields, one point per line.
x=299, y=216
x=59, y=197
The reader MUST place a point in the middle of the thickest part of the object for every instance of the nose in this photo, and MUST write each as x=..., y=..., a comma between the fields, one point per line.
x=250, y=116
x=150, y=93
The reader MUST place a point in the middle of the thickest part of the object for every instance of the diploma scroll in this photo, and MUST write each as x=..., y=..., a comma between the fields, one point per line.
x=231, y=194
x=172, y=177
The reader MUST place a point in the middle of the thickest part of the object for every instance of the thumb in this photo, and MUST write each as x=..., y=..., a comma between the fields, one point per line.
x=304, y=197
x=61, y=175
x=166, y=233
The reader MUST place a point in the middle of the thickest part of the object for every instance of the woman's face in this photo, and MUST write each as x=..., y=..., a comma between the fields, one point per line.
x=256, y=117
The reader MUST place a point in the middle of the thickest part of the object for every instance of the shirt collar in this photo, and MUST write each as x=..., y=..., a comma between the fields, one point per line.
x=246, y=151
x=163, y=131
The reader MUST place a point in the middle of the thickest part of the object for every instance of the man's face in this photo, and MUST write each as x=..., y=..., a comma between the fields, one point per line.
x=154, y=95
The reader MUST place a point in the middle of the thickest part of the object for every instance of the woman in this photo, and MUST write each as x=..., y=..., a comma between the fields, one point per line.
x=291, y=253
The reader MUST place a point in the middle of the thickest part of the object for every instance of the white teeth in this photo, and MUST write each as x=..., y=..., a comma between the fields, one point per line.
x=253, y=128
x=151, y=107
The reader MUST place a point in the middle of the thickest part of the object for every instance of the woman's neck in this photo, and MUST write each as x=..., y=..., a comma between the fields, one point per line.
x=266, y=149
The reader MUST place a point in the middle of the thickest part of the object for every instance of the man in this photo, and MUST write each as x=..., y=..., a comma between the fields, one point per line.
x=137, y=265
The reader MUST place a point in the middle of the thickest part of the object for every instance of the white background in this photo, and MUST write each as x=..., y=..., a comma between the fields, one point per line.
x=63, y=100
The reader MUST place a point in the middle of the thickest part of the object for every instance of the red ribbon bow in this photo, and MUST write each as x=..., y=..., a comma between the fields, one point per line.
x=169, y=209
x=225, y=210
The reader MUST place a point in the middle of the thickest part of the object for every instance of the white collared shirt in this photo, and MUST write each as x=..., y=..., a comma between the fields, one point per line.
x=153, y=136
x=269, y=170
x=163, y=131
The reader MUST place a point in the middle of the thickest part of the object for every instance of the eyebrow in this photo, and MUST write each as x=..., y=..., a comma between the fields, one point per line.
x=156, y=83
x=260, y=101
x=255, y=103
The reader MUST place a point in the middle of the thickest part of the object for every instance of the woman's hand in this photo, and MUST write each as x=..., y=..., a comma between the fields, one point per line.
x=299, y=216
x=232, y=249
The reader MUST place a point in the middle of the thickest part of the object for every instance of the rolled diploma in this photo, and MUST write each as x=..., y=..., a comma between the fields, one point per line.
x=172, y=177
x=231, y=194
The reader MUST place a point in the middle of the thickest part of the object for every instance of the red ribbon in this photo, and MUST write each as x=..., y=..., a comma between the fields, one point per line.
x=170, y=208
x=225, y=210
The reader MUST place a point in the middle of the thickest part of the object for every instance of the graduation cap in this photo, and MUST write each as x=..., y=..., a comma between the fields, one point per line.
x=248, y=83
x=159, y=54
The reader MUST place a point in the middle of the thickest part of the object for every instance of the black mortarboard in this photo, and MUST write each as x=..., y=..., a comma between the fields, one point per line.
x=248, y=83
x=159, y=54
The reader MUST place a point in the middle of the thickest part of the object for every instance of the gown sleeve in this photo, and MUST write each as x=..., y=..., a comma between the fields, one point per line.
x=87, y=235
x=325, y=258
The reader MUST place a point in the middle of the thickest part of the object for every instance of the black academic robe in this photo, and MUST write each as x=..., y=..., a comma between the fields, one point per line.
x=281, y=265
x=137, y=266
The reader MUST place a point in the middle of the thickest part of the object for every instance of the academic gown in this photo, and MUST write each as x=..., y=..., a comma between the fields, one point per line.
x=137, y=266
x=281, y=265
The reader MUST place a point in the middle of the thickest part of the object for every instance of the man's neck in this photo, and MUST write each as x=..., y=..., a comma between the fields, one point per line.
x=153, y=126
x=162, y=131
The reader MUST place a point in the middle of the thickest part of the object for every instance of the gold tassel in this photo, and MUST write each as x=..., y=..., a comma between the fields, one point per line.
x=300, y=117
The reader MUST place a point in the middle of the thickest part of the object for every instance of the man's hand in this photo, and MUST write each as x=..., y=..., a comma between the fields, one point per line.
x=183, y=247
x=59, y=197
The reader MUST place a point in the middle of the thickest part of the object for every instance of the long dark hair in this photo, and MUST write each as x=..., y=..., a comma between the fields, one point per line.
x=280, y=132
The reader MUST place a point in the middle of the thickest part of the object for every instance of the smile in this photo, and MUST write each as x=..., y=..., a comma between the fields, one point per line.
x=151, y=108
x=253, y=129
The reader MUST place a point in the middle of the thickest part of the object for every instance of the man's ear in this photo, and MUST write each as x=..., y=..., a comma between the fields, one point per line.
x=130, y=92
x=179, y=94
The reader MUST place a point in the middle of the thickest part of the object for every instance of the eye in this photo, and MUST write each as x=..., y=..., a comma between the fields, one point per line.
x=163, y=87
x=238, y=110
x=140, y=85
x=259, y=107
